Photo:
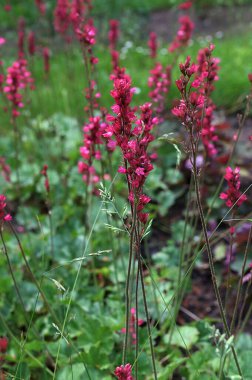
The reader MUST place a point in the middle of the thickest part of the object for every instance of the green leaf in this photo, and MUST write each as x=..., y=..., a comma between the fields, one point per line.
x=184, y=337
x=170, y=368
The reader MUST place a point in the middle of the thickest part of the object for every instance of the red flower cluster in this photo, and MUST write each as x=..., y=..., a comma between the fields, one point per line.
x=68, y=13
x=233, y=195
x=7, y=7
x=113, y=33
x=41, y=6
x=205, y=77
x=124, y=372
x=46, y=183
x=2, y=41
x=152, y=43
x=160, y=82
x=21, y=37
x=184, y=33
x=196, y=108
x=46, y=56
x=93, y=132
x=31, y=43
x=4, y=217
x=18, y=78
x=186, y=5
x=191, y=101
x=132, y=323
x=62, y=16
x=208, y=69
x=132, y=141
x=3, y=344
x=87, y=33
x=5, y=169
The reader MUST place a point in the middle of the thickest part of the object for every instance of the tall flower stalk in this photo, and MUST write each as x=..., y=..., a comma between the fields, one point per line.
x=190, y=110
x=133, y=135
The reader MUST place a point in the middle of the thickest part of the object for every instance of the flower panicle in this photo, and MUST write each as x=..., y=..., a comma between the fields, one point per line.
x=153, y=44
x=160, y=82
x=196, y=108
x=233, y=195
x=18, y=78
x=124, y=372
x=133, y=136
x=4, y=217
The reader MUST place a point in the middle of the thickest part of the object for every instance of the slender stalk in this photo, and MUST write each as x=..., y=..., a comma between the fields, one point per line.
x=137, y=332
x=33, y=277
x=229, y=264
x=17, y=341
x=241, y=125
x=179, y=297
x=16, y=144
x=246, y=318
x=238, y=297
x=127, y=288
x=148, y=322
x=51, y=232
x=146, y=249
x=210, y=257
x=13, y=278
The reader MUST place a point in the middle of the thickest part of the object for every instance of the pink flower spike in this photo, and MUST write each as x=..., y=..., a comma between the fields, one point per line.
x=124, y=372
x=3, y=217
x=186, y=5
x=2, y=41
x=233, y=195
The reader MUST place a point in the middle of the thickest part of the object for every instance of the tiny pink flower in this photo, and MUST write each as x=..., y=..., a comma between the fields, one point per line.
x=122, y=170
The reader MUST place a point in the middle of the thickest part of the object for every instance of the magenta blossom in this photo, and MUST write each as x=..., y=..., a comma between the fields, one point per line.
x=2, y=41
x=133, y=137
x=46, y=57
x=184, y=33
x=186, y=5
x=233, y=195
x=113, y=33
x=6, y=171
x=31, y=43
x=62, y=16
x=3, y=216
x=124, y=372
x=18, y=78
x=132, y=323
x=159, y=82
x=41, y=6
x=152, y=43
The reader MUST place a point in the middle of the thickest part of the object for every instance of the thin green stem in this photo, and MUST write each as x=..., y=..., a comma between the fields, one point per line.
x=238, y=297
x=210, y=257
x=148, y=322
x=137, y=319
x=230, y=254
x=127, y=288
x=17, y=341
